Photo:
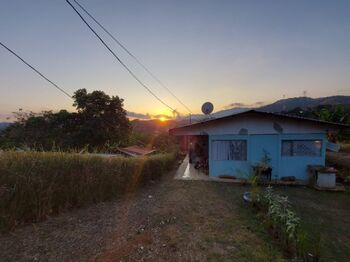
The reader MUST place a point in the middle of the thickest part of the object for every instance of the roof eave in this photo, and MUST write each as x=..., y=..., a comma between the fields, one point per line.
x=345, y=127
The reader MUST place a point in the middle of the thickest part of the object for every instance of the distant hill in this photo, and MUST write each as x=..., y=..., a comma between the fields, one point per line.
x=152, y=126
x=218, y=114
x=290, y=106
x=304, y=102
x=157, y=126
x=342, y=116
x=3, y=125
x=282, y=105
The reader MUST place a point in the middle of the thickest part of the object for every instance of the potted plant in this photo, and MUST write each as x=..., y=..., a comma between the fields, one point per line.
x=263, y=169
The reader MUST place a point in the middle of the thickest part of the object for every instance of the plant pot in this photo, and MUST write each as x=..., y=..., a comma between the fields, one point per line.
x=311, y=258
x=248, y=198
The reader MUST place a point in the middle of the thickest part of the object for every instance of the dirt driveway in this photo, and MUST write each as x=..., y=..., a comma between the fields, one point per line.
x=170, y=220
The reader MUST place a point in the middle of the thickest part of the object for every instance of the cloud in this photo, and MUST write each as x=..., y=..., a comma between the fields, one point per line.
x=161, y=115
x=138, y=115
x=7, y=118
x=243, y=105
x=236, y=105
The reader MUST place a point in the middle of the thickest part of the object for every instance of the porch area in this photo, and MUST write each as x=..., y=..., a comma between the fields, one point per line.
x=187, y=171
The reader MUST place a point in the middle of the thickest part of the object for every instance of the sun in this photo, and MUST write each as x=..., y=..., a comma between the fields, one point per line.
x=162, y=119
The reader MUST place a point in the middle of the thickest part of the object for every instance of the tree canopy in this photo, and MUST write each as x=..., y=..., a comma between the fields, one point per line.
x=100, y=120
x=330, y=113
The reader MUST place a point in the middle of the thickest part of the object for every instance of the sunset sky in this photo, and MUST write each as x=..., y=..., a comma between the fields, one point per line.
x=225, y=52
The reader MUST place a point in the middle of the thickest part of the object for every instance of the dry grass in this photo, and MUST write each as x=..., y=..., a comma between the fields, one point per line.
x=182, y=221
x=34, y=185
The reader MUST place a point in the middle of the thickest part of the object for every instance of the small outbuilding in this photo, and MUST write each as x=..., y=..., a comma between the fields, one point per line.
x=136, y=151
x=234, y=145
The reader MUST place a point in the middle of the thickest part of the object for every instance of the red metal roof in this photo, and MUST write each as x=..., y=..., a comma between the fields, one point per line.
x=136, y=151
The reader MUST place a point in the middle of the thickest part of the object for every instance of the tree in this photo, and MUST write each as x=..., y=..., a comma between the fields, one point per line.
x=337, y=114
x=165, y=143
x=103, y=116
x=99, y=120
x=330, y=113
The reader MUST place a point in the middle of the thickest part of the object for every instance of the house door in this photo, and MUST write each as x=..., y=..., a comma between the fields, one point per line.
x=199, y=151
x=265, y=147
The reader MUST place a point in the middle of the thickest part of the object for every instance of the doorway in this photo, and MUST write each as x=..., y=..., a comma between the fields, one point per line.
x=265, y=147
x=199, y=152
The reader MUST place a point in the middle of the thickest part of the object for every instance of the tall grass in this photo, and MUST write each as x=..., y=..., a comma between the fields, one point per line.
x=34, y=185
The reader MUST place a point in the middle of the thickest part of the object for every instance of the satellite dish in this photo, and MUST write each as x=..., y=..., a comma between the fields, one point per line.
x=207, y=108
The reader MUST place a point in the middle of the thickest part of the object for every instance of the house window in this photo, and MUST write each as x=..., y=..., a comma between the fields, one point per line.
x=301, y=147
x=229, y=150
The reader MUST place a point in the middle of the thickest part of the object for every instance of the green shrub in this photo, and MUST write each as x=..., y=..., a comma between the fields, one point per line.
x=283, y=219
x=34, y=185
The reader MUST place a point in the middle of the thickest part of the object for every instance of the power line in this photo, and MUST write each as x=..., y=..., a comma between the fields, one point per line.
x=48, y=80
x=35, y=70
x=132, y=55
x=119, y=60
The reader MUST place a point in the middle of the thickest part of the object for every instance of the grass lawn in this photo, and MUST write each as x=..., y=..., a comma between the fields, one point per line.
x=324, y=216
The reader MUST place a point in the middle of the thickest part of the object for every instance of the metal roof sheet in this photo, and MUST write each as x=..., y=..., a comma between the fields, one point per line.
x=262, y=113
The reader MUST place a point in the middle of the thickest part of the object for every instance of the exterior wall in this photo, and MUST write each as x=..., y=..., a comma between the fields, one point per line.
x=272, y=143
x=269, y=144
x=297, y=165
x=228, y=167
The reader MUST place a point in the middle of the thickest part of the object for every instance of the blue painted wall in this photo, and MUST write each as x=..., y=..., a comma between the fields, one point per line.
x=265, y=143
x=297, y=165
x=257, y=145
x=228, y=167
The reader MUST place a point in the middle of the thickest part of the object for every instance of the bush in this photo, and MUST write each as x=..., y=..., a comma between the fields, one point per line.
x=34, y=185
x=285, y=224
x=284, y=220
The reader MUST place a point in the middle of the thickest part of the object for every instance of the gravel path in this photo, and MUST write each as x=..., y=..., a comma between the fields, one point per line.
x=170, y=220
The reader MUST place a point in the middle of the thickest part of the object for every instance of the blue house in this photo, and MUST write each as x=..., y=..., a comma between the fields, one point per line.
x=232, y=145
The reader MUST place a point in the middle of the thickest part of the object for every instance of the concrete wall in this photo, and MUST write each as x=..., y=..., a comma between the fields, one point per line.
x=271, y=143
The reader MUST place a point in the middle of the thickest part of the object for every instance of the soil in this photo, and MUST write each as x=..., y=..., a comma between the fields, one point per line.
x=168, y=220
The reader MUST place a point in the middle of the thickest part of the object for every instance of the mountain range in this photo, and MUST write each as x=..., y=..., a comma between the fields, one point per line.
x=155, y=125
x=4, y=125
x=305, y=102
x=283, y=105
x=287, y=105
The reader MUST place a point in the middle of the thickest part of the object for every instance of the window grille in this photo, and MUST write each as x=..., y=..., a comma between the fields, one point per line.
x=301, y=147
x=229, y=150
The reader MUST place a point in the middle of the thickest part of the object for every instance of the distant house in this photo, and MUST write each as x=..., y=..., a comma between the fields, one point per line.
x=232, y=145
x=136, y=151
